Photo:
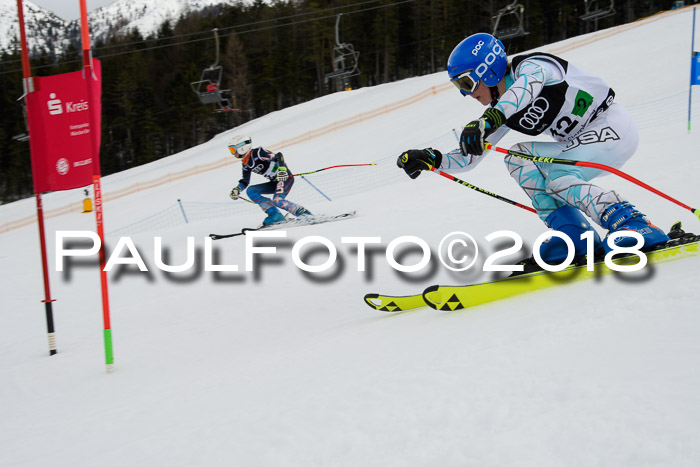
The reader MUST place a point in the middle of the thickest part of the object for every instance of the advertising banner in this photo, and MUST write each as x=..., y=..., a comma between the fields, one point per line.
x=60, y=133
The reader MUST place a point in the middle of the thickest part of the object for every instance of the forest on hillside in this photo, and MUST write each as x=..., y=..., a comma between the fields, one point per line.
x=273, y=55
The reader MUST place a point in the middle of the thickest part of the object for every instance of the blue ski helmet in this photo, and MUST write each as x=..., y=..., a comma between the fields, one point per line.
x=479, y=57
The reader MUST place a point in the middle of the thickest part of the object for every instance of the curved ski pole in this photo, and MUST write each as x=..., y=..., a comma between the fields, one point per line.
x=593, y=165
x=481, y=190
x=331, y=167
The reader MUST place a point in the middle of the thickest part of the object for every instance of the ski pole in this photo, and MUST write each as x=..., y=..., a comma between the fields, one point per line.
x=246, y=200
x=593, y=165
x=313, y=172
x=481, y=190
x=331, y=167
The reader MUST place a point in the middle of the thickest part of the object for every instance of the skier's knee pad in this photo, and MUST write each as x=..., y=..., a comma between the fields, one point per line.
x=567, y=220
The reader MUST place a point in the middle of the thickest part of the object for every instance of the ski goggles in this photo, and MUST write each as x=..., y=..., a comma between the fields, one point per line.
x=465, y=83
x=236, y=148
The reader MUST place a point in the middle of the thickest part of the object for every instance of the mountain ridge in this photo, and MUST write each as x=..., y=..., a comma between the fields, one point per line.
x=47, y=32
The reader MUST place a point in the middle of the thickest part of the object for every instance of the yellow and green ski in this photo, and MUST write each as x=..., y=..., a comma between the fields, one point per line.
x=450, y=298
x=394, y=303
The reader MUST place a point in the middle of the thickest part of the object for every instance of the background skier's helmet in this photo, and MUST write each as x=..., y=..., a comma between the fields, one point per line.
x=240, y=145
x=479, y=57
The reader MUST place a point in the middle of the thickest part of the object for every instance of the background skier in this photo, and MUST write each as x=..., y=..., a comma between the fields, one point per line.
x=271, y=166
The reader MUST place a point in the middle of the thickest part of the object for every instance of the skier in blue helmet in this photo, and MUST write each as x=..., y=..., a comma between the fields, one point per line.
x=535, y=94
x=480, y=58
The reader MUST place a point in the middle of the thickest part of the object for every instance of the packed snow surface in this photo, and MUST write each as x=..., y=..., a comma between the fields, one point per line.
x=278, y=367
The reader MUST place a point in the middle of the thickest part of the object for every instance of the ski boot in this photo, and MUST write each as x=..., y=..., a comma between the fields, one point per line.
x=273, y=217
x=567, y=220
x=624, y=217
x=570, y=221
x=302, y=211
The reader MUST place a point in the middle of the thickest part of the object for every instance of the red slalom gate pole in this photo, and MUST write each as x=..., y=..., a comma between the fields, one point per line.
x=28, y=85
x=593, y=165
x=332, y=167
x=97, y=187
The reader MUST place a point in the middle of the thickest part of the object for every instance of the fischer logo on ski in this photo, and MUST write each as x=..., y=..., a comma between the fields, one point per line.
x=451, y=298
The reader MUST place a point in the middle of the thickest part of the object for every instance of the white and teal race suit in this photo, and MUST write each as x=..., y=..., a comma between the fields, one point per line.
x=547, y=95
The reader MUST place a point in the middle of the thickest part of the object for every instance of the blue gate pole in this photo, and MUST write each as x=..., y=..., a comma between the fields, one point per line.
x=692, y=70
x=183, y=211
x=314, y=187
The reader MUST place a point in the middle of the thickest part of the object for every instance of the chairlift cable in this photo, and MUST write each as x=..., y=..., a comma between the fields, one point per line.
x=245, y=24
x=189, y=34
x=209, y=38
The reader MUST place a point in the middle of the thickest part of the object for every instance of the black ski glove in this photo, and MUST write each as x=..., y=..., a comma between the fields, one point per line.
x=475, y=133
x=415, y=160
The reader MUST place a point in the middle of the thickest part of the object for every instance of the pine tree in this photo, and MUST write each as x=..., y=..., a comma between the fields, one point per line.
x=235, y=63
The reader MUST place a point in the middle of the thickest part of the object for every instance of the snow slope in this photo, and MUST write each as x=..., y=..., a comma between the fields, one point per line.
x=280, y=367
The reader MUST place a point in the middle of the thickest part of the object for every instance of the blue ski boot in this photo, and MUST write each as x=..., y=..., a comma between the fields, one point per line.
x=273, y=217
x=570, y=221
x=624, y=217
x=302, y=211
x=567, y=220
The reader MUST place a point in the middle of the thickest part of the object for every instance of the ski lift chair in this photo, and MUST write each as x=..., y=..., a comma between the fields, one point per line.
x=593, y=13
x=513, y=15
x=208, y=87
x=342, y=52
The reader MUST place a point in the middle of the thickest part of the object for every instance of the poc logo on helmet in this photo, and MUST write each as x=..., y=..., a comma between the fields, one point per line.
x=488, y=60
x=476, y=49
